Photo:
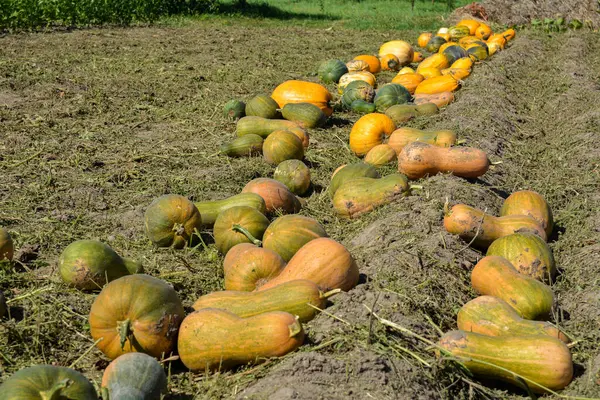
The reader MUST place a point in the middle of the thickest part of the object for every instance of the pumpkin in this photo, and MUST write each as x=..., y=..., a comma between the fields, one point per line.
x=247, y=145
x=509, y=34
x=369, y=131
x=402, y=113
x=364, y=76
x=294, y=91
x=362, y=195
x=445, y=46
x=322, y=261
x=467, y=40
x=239, y=224
x=401, y=49
x=282, y=145
x=454, y=53
x=306, y=115
x=89, y=264
x=528, y=253
x=213, y=339
x=532, y=204
x=263, y=127
x=459, y=31
x=389, y=62
x=406, y=70
x=418, y=57
x=428, y=73
x=404, y=136
x=477, y=53
x=7, y=248
x=423, y=39
x=357, y=65
x=445, y=36
x=380, y=155
x=349, y=172
x=542, y=360
x=357, y=90
x=3, y=305
x=438, y=84
x=47, y=382
x=332, y=70
x=457, y=73
x=248, y=267
x=474, y=225
x=441, y=99
x=492, y=316
x=410, y=81
x=263, y=106
x=462, y=63
x=288, y=233
x=435, y=43
x=493, y=48
x=275, y=194
x=234, y=109
x=211, y=209
x=372, y=61
x=419, y=159
x=294, y=174
x=389, y=95
x=171, y=220
x=363, y=107
x=134, y=376
x=136, y=313
x=483, y=31
x=294, y=297
x=469, y=23
x=438, y=60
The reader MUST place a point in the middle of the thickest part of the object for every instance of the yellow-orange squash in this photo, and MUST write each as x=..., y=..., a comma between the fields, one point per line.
x=437, y=84
x=445, y=46
x=419, y=159
x=406, y=70
x=275, y=194
x=542, y=360
x=322, y=261
x=441, y=99
x=369, y=131
x=357, y=65
x=493, y=48
x=457, y=73
x=423, y=39
x=496, y=276
x=483, y=31
x=404, y=136
x=410, y=81
x=532, y=204
x=294, y=91
x=437, y=60
x=372, y=61
x=467, y=40
x=365, y=76
x=401, y=49
x=464, y=63
x=445, y=36
x=248, y=267
x=429, y=72
x=493, y=316
x=380, y=155
x=214, y=339
x=498, y=39
x=418, y=57
x=471, y=24
x=509, y=34
x=389, y=62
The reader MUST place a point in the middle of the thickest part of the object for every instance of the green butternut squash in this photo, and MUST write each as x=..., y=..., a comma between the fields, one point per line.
x=247, y=145
x=306, y=115
x=349, y=172
x=210, y=210
x=262, y=105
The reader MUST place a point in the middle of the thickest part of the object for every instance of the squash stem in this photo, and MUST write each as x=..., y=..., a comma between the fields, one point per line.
x=327, y=295
x=496, y=162
x=124, y=329
x=179, y=229
x=461, y=141
x=244, y=231
x=55, y=392
x=295, y=328
x=416, y=187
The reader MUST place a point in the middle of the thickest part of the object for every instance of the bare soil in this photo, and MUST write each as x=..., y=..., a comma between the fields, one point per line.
x=97, y=123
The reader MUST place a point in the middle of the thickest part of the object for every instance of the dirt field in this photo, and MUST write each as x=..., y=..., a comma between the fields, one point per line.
x=94, y=124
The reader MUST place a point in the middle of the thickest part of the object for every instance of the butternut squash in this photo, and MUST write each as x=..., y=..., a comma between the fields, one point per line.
x=404, y=136
x=210, y=210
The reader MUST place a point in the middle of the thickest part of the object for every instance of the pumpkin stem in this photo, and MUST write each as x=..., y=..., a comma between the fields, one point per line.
x=496, y=162
x=416, y=187
x=124, y=329
x=447, y=207
x=55, y=392
x=461, y=141
x=327, y=295
x=295, y=328
x=179, y=229
x=244, y=231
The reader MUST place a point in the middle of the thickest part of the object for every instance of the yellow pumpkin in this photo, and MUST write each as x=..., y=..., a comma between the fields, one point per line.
x=406, y=70
x=493, y=48
x=369, y=132
x=357, y=65
x=446, y=36
x=417, y=57
x=365, y=76
x=401, y=49
x=424, y=39
x=497, y=38
x=409, y=81
x=445, y=45
x=471, y=24
x=374, y=64
x=483, y=31
x=509, y=34
x=430, y=72
x=294, y=91
x=437, y=60
x=457, y=73
x=437, y=85
x=464, y=63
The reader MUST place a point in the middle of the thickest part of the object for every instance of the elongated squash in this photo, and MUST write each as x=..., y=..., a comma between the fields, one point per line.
x=439, y=99
x=404, y=136
x=438, y=84
x=247, y=145
x=210, y=210
x=263, y=127
x=380, y=155
x=294, y=91
x=349, y=172
x=306, y=115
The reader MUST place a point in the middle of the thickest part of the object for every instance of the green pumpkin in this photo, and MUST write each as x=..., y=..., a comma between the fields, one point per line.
x=294, y=174
x=357, y=90
x=478, y=53
x=135, y=376
x=47, y=382
x=239, y=225
x=332, y=70
x=391, y=94
x=363, y=107
x=90, y=264
x=263, y=106
x=210, y=210
x=306, y=115
x=434, y=44
x=458, y=32
x=349, y=172
x=288, y=233
x=171, y=220
x=234, y=109
x=247, y=145
x=454, y=53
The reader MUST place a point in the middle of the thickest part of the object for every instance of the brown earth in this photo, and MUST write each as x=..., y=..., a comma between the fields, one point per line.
x=95, y=124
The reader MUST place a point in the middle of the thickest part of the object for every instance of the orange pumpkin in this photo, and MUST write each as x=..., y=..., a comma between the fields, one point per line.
x=288, y=233
x=483, y=31
x=171, y=220
x=374, y=64
x=532, y=204
x=441, y=99
x=401, y=49
x=471, y=24
x=409, y=81
x=248, y=267
x=275, y=194
x=389, y=62
x=424, y=39
x=303, y=92
x=369, y=131
x=418, y=57
x=437, y=84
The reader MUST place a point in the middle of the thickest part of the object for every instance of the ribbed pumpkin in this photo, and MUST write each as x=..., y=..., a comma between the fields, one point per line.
x=306, y=115
x=47, y=382
x=429, y=72
x=380, y=155
x=463, y=63
x=454, y=52
x=532, y=204
x=294, y=174
x=369, y=131
x=437, y=84
x=457, y=73
x=275, y=194
x=528, y=253
x=441, y=99
x=171, y=220
x=6, y=245
x=357, y=65
x=365, y=76
x=357, y=90
x=134, y=376
x=295, y=91
x=423, y=39
x=434, y=44
x=239, y=225
x=282, y=145
x=332, y=70
x=483, y=31
x=467, y=40
x=401, y=49
x=288, y=233
x=404, y=136
x=477, y=53
x=437, y=60
x=136, y=313
x=247, y=145
x=247, y=267
x=445, y=36
x=445, y=46
x=374, y=64
x=406, y=70
x=459, y=31
x=389, y=95
x=234, y=109
x=263, y=106
x=469, y=23
x=389, y=62
x=349, y=172
x=410, y=81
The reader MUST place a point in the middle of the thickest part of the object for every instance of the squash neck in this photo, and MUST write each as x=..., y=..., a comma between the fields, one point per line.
x=55, y=392
x=245, y=232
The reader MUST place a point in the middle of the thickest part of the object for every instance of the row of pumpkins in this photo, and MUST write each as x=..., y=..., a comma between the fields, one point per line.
x=280, y=273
